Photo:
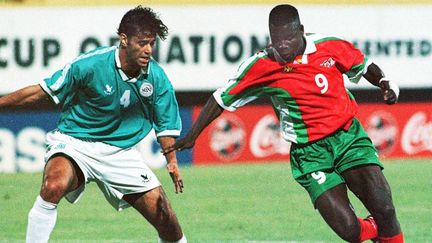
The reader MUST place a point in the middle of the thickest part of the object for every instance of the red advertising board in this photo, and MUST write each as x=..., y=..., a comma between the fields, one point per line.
x=251, y=134
x=401, y=130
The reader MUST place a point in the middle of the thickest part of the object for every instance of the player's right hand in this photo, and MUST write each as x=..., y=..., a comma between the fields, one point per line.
x=390, y=91
x=174, y=171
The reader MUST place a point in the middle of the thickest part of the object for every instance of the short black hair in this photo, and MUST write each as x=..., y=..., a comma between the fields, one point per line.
x=139, y=20
x=284, y=14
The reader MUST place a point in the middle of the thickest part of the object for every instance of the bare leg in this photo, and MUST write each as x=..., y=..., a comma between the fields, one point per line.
x=335, y=208
x=60, y=176
x=371, y=187
x=154, y=206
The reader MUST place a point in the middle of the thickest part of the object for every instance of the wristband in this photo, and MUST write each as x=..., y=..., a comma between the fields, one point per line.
x=392, y=85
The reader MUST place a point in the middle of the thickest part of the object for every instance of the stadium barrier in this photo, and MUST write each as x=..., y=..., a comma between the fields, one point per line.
x=249, y=135
x=203, y=57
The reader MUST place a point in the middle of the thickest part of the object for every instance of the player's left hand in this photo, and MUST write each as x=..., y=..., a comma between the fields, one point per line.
x=390, y=91
x=174, y=171
x=185, y=143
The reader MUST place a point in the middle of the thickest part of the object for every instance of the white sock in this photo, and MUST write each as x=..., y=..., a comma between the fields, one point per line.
x=182, y=240
x=41, y=220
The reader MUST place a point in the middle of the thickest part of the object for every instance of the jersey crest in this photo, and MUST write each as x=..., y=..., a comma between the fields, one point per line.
x=146, y=89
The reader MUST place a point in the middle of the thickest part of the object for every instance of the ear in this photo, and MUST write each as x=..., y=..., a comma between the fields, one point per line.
x=123, y=39
x=302, y=28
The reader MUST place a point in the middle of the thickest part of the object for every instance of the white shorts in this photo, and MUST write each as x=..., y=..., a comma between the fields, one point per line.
x=116, y=171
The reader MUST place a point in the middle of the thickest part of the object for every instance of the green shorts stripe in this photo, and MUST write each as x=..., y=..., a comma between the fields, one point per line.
x=317, y=166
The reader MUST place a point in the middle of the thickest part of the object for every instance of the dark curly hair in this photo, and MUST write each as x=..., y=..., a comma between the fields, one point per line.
x=139, y=20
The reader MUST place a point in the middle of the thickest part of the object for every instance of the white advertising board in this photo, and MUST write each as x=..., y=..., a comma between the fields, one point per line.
x=207, y=43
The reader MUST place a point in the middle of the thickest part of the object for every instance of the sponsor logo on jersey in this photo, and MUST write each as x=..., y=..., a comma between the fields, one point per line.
x=146, y=89
x=383, y=130
x=328, y=63
x=108, y=90
x=227, y=137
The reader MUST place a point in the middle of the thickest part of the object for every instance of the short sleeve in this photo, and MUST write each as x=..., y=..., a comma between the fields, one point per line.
x=350, y=60
x=61, y=83
x=244, y=86
x=167, y=121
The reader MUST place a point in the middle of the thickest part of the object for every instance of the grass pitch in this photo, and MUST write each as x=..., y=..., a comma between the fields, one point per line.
x=221, y=204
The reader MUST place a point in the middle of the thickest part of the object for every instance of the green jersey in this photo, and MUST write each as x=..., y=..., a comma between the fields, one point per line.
x=100, y=102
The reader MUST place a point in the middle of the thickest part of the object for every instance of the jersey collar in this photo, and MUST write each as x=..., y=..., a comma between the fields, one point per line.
x=310, y=48
x=124, y=76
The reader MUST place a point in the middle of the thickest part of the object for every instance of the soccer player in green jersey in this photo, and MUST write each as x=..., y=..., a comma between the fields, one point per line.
x=110, y=99
x=303, y=74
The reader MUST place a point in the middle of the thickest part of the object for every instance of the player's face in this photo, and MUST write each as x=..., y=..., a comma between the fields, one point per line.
x=139, y=49
x=287, y=41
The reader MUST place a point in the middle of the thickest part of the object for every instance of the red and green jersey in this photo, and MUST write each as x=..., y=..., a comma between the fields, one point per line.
x=309, y=94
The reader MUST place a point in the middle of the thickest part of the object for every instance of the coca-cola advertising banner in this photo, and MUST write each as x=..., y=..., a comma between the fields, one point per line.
x=251, y=134
x=401, y=130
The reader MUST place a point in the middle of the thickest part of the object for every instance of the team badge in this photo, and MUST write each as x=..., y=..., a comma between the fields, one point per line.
x=287, y=69
x=328, y=63
x=146, y=90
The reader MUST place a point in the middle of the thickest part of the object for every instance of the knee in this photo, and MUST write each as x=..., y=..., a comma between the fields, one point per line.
x=53, y=190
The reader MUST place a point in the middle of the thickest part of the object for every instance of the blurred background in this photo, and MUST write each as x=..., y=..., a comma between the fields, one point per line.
x=207, y=41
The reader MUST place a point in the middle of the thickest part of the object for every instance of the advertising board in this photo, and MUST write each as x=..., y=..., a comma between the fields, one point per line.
x=22, y=141
x=202, y=53
x=251, y=134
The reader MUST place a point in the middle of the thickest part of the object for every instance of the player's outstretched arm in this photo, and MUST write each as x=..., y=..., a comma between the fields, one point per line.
x=172, y=165
x=23, y=98
x=389, y=89
x=210, y=112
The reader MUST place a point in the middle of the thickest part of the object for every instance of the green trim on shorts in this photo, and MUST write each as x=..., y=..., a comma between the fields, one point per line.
x=317, y=166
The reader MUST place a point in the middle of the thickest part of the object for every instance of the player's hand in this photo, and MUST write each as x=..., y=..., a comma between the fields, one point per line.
x=390, y=91
x=174, y=171
x=185, y=143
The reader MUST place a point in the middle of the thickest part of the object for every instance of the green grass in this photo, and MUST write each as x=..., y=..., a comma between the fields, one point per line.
x=236, y=203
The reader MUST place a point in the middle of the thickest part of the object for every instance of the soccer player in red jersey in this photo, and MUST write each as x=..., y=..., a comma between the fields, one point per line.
x=303, y=74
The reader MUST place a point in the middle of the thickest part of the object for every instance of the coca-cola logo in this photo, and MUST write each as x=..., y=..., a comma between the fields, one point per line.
x=227, y=137
x=266, y=139
x=382, y=128
x=417, y=135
